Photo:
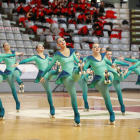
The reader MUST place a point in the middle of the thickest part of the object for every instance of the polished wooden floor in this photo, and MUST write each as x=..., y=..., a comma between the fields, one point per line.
x=17, y=127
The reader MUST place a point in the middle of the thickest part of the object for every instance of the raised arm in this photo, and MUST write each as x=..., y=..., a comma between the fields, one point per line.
x=121, y=63
x=7, y=55
x=32, y=58
x=127, y=59
x=55, y=58
x=131, y=60
x=134, y=66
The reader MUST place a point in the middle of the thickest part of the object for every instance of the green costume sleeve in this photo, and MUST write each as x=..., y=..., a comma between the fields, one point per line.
x=128, y=73
x=75, y=58
x=1, y=59
x=84, y=59
x=131, y=60
x=6, y=55
x=88, y=62
x=134, y=66
x=55, y=58
x=107, y=61
x=32, y=58
x=50, y=58
x=121, y=63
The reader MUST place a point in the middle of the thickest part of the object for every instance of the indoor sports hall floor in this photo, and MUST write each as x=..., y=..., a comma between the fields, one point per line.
x=33, y=123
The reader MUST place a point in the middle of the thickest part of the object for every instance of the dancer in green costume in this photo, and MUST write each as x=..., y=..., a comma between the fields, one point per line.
x=69, y=74
x=99, y=64
x=11, y=73
x=134, y=68
x=116, y=83
x=83, y=81
x=3, y=76
x=42, y=62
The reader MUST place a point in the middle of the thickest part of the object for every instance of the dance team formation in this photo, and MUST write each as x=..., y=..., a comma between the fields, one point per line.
x=71, y=68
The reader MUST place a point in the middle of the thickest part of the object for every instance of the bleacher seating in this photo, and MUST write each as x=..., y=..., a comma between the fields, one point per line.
x=120, y=45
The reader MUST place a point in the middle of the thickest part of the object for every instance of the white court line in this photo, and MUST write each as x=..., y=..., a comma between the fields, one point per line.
x=69, y=114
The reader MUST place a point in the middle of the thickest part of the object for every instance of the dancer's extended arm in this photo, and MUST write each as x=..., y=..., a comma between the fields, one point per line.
x=55, y=58
x=134, y=66
x=121, y=63
x=32, y=58
x=107, y=61
x=131, y=60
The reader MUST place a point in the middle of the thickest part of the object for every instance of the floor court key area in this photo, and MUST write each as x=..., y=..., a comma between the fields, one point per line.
x=33, y=123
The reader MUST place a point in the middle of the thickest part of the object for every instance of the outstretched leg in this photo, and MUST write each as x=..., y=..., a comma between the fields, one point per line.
x=70, y=86
x=83, y=85
x=104, y=90
x=2, y=111
x=47, y=88
x=117, y=86
x=11, y=83
x=16, y=76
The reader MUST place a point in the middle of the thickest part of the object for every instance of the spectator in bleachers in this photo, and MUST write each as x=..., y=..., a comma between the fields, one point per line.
x=81, y=18
x=40, y=16
x=86, y=10
x=71, y=11
x=64, y=11
x=43, y=9
x=30, y=15
x=78, y=6
x=50, y=10
x=71, y=2
x=94, y=12
x=20, y=9
x=88, y=18
x=101, y=9
x=94, y=3
x=27, y=8
x=55, y=3
x=87, y=4
x=98, y=28
x=34, y=9
x=57, y=11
